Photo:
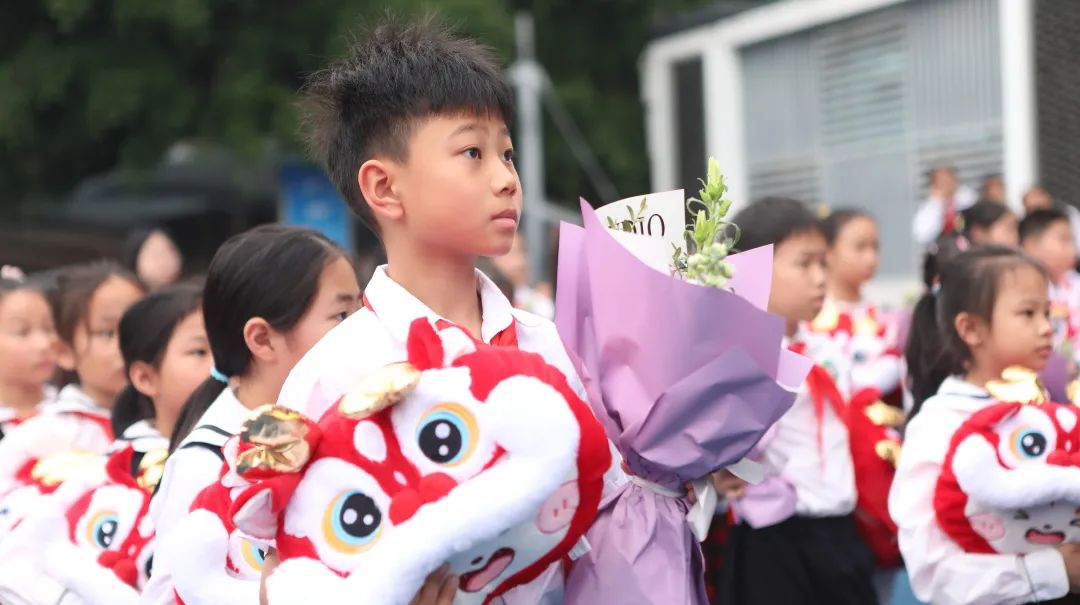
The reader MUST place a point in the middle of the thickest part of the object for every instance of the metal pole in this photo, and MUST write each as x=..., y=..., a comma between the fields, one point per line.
x=528, y=80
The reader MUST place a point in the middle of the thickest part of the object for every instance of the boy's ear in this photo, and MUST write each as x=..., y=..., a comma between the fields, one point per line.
x=970, y=329
x=376, y=179
x=259, y=338
x=65, y=356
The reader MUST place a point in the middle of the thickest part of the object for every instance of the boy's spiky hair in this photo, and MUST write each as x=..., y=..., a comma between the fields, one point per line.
x=772, y=220
x=396, y=74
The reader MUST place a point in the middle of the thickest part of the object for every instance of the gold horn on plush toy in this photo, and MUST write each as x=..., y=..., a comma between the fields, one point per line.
x=379, y=390
x=151, y=468
x=1019, y=385
x=274, y=439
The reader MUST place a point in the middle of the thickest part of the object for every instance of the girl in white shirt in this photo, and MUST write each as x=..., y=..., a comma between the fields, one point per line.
x=270, y=294
x=990, y=312
x=27, y=351
x=88, y=303
x=166, y=356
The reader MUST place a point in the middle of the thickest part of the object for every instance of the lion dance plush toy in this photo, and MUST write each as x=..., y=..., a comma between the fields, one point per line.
x=88, y=541
x=1011, y=479
x=479, y=456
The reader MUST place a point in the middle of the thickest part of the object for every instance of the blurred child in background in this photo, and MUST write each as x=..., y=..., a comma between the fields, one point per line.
x=1047, y=237
x=166, y=356
x=864, y=339
x=991, y=223
x=89, y=301
x=27, y=351
x=795, y=539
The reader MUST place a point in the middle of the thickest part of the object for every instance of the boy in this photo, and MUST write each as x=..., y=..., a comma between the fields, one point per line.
x=413, y=130
x=1046, y=235
x=939, y=213
x=796, y=541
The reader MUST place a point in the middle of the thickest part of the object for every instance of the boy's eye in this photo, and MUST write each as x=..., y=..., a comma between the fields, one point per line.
x=342, y=316
x=199, y=352
x=104, y=334
x=508, y=155
x=473, y=153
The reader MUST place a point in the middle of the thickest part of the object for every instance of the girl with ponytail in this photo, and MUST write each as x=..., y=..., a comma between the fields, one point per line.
x=166, y=356
x=989, y=311
x=271, y=293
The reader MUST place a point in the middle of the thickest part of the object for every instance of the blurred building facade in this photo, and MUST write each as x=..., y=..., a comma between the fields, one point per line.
x=850, y=102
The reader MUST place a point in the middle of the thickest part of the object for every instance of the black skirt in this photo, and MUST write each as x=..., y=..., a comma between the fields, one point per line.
x=802, y=561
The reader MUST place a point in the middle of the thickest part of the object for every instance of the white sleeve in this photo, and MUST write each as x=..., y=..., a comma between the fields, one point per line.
x=940, y=571
x=187, y=473
x=928, y=223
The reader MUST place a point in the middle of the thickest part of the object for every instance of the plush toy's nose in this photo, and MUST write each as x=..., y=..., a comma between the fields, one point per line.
x=122, y=566
x=1063, y=458
x=430, y=488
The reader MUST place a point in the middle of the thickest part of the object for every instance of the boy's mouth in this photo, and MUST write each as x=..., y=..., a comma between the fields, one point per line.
x=510, y=215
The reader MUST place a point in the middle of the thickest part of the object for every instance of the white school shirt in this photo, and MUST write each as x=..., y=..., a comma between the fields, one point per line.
x=73, y=422
x=187, y=472
x=9, y=417
x=142, y=436
x=929, y=219
x=823, y=476
x=940, y=571
x=373, y=337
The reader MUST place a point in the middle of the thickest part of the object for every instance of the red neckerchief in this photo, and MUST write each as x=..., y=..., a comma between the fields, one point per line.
x=103, y=422
x=950, y=217
x=507, y=337
x=822, y=389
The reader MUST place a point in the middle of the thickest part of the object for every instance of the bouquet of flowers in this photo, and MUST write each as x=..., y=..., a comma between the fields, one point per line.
x=683, y=366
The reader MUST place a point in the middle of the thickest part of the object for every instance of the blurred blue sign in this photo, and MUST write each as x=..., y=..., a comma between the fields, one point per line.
x=309, y=199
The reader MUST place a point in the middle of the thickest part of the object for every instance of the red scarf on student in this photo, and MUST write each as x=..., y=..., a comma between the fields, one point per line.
x=507, y=337
x=822, y=389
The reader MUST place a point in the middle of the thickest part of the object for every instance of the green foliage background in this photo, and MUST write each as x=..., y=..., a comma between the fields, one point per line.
x=88, y=85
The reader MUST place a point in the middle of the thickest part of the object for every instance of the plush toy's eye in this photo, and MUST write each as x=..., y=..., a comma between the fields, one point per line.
x=148, y=566
x=352, y=522
x=101, y=529
x=254, y=556
x=447, y=434
x=1028, y=443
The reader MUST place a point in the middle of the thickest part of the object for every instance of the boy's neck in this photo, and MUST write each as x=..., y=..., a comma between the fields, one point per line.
x=21, y=398
x=844, y=292
x=447, y=286
x=791, y=327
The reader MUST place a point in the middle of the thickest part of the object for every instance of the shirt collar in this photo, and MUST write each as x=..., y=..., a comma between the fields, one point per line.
x=954, y=386
x=72, y=398
x=396, y=307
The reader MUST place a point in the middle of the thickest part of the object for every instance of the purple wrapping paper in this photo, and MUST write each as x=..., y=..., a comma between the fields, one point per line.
x=686, y=380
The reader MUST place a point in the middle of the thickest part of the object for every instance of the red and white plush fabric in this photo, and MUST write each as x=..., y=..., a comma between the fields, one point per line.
x=73, y=422
x=90, y=537
x=211, y=560
x=1011, y=479
x=865, y=342
x=490, y=463
x=875, y=449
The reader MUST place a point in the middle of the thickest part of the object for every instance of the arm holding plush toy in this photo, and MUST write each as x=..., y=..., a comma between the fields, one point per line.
x=941, y=572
